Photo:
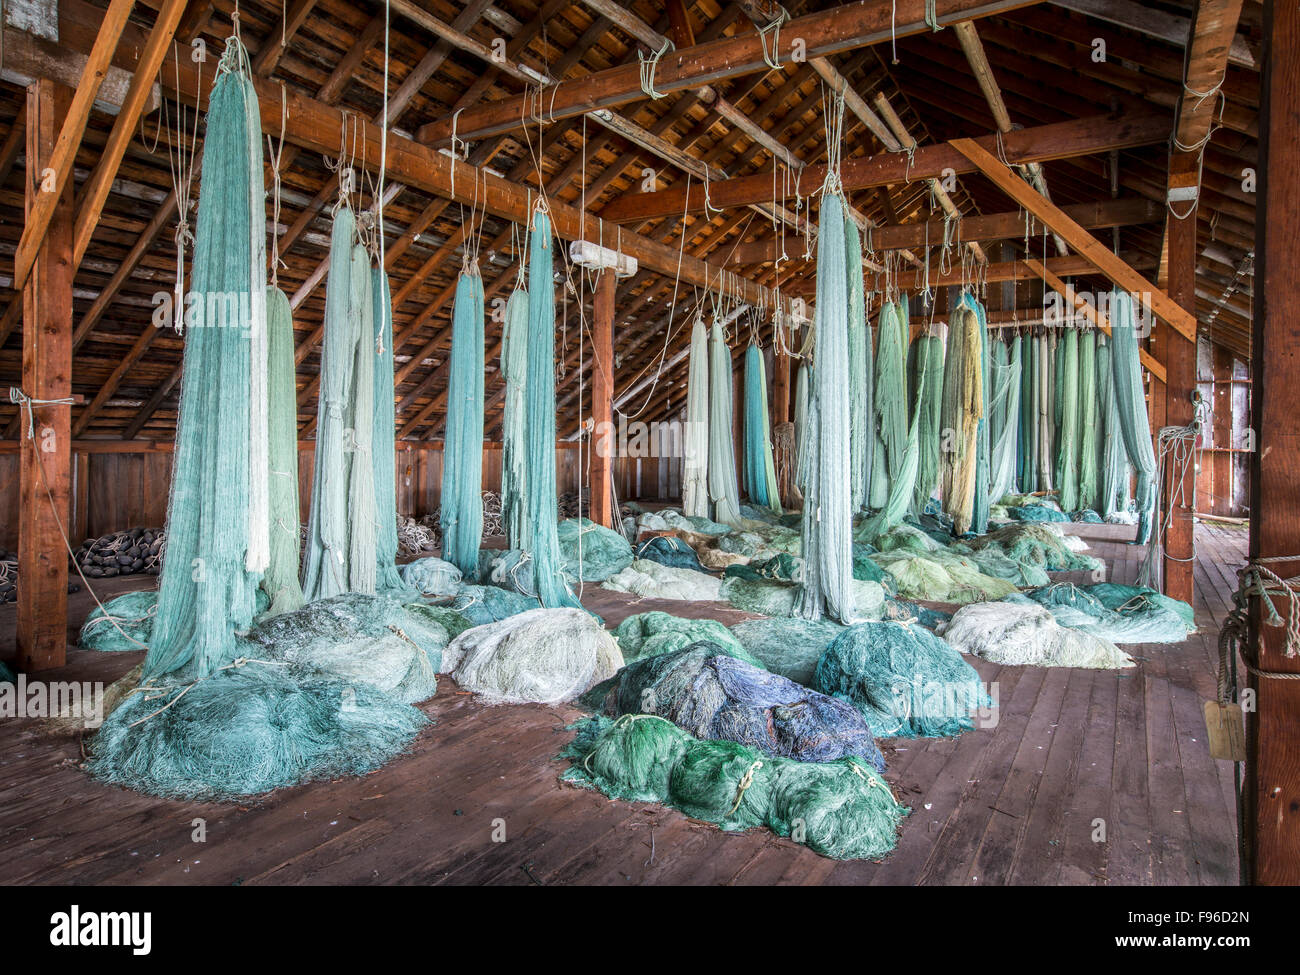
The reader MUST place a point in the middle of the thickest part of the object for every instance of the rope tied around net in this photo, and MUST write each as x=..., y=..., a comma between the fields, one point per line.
x=743, y=786
x=1177, y=453
x=648, y=65
x=1257, y=580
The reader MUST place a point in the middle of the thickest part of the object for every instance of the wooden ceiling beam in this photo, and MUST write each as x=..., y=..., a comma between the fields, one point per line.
x=1156, y=23
x=1077, y=237
x=1041, y=143
x=822, y=33
x=64, y=153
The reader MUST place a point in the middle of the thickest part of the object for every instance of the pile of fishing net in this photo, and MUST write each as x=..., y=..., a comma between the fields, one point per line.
x=993, y=562
x=669, y=519
x=547, y=656
x=592, y=552
x=248, y=728
x=123, y=623
x=1086, y=516
x=669, y=550
x=1041, y=545
x=652, y=580
x=431, y=576
x=789, y=646
x=941, y=577
x=905, y=680
x=772, y=597
x=1021, y=633
x=653, y=634
x=488, y=604
x=841, y=809
x=706, y=691
x=1120, y=614
x=392, y=646
x=785, y=568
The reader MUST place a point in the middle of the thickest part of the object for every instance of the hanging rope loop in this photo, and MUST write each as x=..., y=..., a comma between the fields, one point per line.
x=648, y=66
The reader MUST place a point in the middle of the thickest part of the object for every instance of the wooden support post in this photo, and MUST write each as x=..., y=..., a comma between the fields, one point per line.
x=1271, y=792
x=45, y=465
x=781, y=384
x=1180, y=410
x=1221, y=403
x=602, y=400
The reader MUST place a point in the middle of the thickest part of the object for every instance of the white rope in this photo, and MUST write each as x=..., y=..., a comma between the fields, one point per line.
x=648, y=66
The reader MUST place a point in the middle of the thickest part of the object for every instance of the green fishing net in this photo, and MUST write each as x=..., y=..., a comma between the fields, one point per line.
x=841, y=809
x=788, y=646
x=655, y=633
x=590, y=552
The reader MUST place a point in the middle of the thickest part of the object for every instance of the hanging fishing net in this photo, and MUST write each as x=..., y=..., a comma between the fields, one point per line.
x=825, y=479
x=655, y=581
x=547, y=656
x=961, y=411
x=370, y=639
x=384, y=448
x=760, y=468
x=653, y=634
x=926, y=363
x=462, y=472
x=1069, y=409
x=590, y=552
x=1020, y=634
x=1089, y=432
x=432, y=576
x=840, y=809
x=707, y=692
x=723, y=489
x=1004, y=416
x=861, y=429
x=280, y=581
x=889, y=402
x=1130, y=405
x=905, y=680
x=669, y=550
x=788, y=646
x=514, y=419
x=695, y=463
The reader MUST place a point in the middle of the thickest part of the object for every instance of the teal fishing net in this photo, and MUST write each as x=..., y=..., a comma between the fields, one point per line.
x=542, y=540
x=488, y=604
x=1068, y=444
x=788, y=646
x=462, y=472
x=861, y=430
x=121, y=624
x=840, y=809
x=590, y=552
x=906, y=681
x=926, y=356
x=1131, y=407
x=1089, y=470
x=723, y=489
x=655, y=633
x=280, y=581
x=514, y=419
x=1126, y=614
x=431, y=576
x=889, y=402
x=760, y=468
x=384, y=448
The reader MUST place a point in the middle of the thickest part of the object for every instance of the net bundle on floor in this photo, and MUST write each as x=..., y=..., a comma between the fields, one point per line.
x=590, y=552
x=514, y=419
x=280, y=581
x=695, y=462
x=788, y=646
x=461, y=518
x=546, y=656
x=703, y=689
x=1024, y=634
x=213, y=715
x=653, y=634
x=760, y=468
x=841, y=809
x=960, y=415
x=653, y=580
x=1043, y=545
x=1131, y=407
x=825, y=482
x=1120, y=614
x=905, y=680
